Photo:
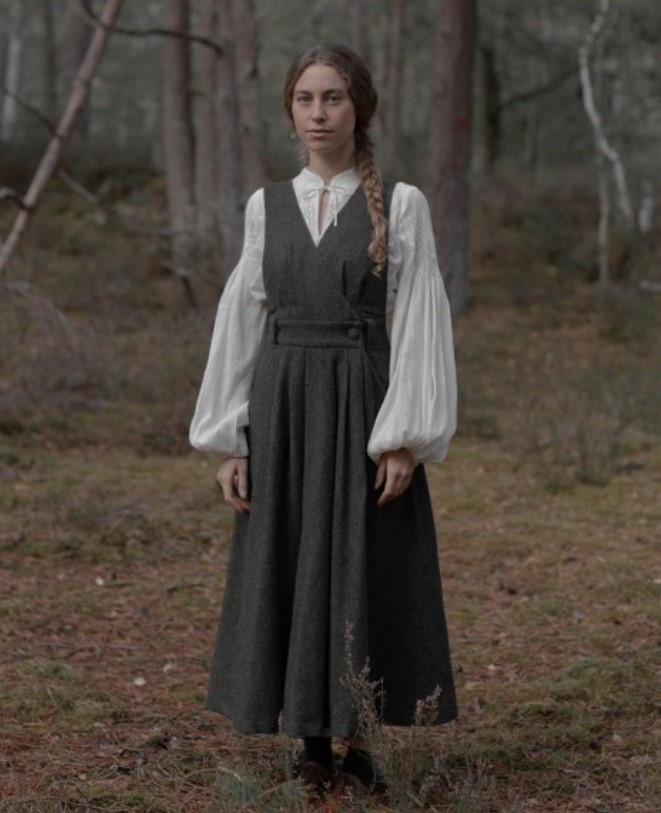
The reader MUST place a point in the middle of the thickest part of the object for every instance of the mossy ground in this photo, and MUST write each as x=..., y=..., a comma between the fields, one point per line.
x=114, y=547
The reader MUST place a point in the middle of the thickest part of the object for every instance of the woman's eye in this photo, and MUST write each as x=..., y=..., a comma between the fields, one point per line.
x=335, y=98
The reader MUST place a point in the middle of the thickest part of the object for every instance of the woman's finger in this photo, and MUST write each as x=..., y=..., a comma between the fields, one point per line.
x=381, y=472
x=242, y=481
x=398, y=474
x=232, y=477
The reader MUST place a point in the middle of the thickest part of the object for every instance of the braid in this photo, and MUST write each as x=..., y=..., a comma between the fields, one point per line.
x=370, y=179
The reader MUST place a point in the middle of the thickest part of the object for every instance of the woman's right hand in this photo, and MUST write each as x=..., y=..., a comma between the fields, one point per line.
x=233, y=479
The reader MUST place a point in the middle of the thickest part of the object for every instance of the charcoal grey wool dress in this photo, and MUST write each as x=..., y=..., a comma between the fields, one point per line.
x=315, y=557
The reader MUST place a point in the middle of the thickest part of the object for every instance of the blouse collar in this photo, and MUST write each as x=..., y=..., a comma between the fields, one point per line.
x=346, y=181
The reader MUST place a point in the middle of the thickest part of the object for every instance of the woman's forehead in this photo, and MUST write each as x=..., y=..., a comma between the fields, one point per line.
x=320, y=77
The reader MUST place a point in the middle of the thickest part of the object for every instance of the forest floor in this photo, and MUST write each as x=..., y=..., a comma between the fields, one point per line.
x=114, y=547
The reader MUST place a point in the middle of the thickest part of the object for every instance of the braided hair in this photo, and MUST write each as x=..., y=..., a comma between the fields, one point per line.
x=358, y=79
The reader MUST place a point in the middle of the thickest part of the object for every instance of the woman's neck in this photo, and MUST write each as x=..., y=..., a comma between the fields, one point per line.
x=327, y=167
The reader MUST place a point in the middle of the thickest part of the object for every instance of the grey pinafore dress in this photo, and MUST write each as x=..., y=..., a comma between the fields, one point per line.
x=315, y=556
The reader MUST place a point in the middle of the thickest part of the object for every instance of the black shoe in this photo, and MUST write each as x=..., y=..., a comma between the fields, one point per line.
x=358, y=765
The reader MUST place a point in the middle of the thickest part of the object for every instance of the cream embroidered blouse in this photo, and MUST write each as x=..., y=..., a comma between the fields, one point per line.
x=419, y=410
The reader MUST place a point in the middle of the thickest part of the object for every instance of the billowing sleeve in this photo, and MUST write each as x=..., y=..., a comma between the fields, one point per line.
x=419, y=411
x=221, y=414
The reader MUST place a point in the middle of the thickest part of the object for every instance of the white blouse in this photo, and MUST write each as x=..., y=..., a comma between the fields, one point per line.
x=419, y=410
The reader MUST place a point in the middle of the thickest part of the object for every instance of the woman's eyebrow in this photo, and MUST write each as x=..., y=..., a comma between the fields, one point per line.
x=302, y=92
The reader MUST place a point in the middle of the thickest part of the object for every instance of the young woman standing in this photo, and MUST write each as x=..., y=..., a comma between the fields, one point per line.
x=323, y=424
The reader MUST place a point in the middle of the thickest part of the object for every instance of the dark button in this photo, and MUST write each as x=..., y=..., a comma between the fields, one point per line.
x=353, y=333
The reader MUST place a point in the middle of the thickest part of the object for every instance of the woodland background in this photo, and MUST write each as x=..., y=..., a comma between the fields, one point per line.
x=113, y=541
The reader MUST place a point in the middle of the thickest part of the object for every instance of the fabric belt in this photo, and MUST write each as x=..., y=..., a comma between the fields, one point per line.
x=314, y=333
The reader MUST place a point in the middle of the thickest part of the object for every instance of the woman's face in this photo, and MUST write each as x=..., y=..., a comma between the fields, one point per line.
x=323, y=113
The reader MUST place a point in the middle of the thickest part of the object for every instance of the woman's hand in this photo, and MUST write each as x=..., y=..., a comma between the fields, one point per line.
x=233, y=479
x=395, y=471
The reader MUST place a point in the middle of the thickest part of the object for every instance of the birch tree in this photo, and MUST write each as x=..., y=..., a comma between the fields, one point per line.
x=608, y=157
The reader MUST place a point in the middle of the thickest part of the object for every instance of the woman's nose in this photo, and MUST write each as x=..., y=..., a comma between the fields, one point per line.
x=318, y=112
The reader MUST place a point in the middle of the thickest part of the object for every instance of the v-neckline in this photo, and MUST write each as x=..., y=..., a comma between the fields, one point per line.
x=329, y=228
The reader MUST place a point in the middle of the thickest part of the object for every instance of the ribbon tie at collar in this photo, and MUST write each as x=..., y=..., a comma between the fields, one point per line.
x=336, y=196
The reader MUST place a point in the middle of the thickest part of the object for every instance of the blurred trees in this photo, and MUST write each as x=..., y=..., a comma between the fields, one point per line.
x=14, y=50
x=76, y=102
x=78, y=35
x=529, y=124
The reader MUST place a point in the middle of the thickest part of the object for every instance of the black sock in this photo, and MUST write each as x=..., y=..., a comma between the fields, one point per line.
x=318, y=749
x=359, y=763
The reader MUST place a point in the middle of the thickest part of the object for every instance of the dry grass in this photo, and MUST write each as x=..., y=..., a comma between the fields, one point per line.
x=114, y=549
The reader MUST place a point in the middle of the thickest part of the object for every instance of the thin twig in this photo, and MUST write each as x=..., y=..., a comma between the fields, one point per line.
x=30, y=108
x=91, y=17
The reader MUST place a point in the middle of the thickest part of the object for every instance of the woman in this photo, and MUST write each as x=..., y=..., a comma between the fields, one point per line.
x=323, y=424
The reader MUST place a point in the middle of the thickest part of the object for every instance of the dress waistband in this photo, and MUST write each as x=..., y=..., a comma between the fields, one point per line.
x=357, y=333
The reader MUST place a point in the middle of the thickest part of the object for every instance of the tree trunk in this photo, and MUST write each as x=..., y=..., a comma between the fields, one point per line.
x=492, y=122
x=178, y=136
x=251, y=121
x=78, y=37
x=230, y=189
x=9, y=109
x=450, y=143
x=206, y=144
x=531, y=137
x=357, y=17
x=50, y=60
x=393, y=120
x=76, y=102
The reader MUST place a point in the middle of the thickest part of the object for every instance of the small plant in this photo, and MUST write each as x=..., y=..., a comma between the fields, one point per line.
x=411, y=767
x=249, y=793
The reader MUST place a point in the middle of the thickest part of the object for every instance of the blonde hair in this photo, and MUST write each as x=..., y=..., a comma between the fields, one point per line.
x=358, y=79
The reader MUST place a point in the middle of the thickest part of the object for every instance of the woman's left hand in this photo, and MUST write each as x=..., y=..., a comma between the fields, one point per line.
x=395, y=471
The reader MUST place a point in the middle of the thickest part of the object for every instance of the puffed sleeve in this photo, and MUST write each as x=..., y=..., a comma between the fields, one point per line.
x=419, y=411
x=221, y=414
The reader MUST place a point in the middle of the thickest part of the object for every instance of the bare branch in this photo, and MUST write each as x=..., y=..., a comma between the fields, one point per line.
x=31, y=109
x=75, y=103
x=62, y=173
x=86, y=10
x=539, y=90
